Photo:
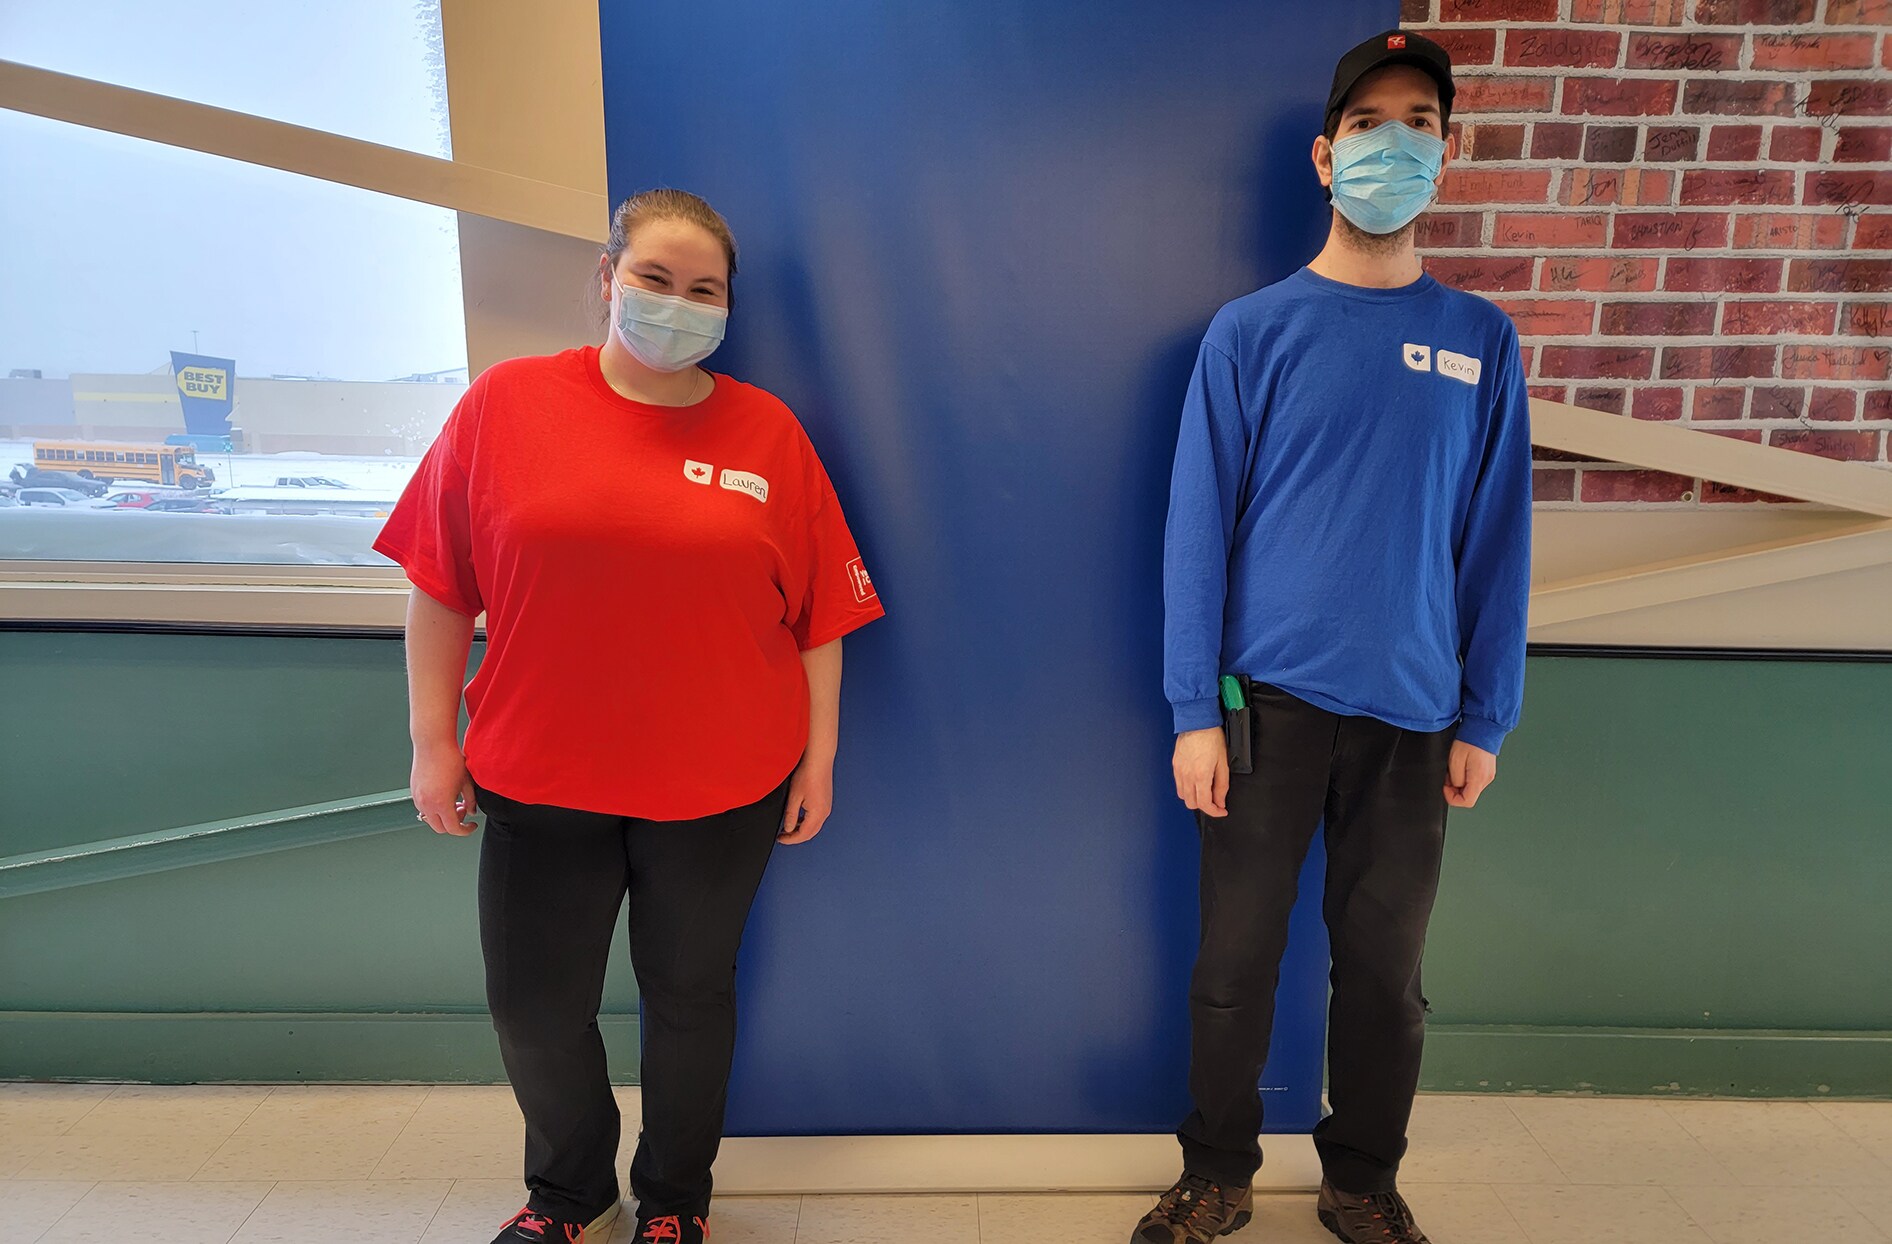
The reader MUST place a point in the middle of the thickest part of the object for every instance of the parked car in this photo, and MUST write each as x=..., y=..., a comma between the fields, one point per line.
x=135, y=499
x=58, y=497
x=308, y=481
x=34, y=477
x=8, y=501
x=186, y=505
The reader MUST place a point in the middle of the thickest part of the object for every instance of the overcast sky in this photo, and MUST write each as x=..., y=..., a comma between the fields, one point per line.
x=113, y=251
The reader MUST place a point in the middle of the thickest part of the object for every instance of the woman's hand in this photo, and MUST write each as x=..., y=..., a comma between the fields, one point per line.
x=442, y=790
x=810, y=800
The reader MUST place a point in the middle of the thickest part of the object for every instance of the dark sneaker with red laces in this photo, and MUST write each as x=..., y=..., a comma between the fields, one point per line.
x=529, y=1226
x=1195, y=1211
x=1369, y=1218
x=672, y=1228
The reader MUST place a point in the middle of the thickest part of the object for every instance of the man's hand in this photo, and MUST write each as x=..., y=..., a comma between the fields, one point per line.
x=1202, y=771
x=1471, y=769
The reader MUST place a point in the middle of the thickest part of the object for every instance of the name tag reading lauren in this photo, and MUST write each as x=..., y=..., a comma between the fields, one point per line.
x=742, y=481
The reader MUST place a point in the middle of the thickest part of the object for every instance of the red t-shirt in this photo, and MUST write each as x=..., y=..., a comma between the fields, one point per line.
x=650, y=576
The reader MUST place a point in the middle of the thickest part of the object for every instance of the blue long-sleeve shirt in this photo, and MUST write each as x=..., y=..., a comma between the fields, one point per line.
x=1350, y=512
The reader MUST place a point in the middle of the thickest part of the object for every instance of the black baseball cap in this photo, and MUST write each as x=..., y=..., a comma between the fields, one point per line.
x=1393, y=47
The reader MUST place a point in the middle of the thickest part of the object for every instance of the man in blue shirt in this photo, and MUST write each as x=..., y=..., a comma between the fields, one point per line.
x=1349, y=528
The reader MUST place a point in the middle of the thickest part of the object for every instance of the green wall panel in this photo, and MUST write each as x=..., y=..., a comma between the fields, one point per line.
x=1678, y=883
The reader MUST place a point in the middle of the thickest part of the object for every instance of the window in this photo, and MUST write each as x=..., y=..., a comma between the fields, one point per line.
x=320, y=325
x=369, y=69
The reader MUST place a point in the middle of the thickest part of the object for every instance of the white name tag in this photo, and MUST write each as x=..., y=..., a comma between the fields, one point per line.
x=742, y=481
x=1458, y=366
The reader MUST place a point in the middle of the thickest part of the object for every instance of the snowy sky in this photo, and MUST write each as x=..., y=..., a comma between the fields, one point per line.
x=113, y=251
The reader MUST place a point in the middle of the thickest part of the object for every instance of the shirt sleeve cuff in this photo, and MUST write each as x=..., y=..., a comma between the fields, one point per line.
x=1481, y=733
x=1198, y=714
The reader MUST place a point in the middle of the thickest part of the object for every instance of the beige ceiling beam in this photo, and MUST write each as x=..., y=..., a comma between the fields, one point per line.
x=463, y=187
x=1702, y=455
x=1711, y=574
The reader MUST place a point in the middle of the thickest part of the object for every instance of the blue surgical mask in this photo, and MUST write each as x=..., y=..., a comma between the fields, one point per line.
x=666, y=332
x=1385, y=177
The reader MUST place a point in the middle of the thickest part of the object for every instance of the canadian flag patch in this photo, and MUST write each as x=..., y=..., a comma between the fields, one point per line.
x=1395, y=41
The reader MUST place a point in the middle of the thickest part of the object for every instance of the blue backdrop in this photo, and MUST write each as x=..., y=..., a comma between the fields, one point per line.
x=980, y=243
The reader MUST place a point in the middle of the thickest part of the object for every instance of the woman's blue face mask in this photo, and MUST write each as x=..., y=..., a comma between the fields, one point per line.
x=1385, y=177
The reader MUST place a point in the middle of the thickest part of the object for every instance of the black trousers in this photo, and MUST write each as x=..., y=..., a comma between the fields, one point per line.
x=1380, y=792
x=552, y=882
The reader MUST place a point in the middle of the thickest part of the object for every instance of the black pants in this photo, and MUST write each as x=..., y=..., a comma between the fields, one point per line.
x=551, y=884
x=1380, y=791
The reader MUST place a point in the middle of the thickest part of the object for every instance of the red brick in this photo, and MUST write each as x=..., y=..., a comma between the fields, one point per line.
x=1734, y=142
x=1813, y=51
x=1707, y=186
x=1553, y=484
x=1839, y=276
x=1717, y=363
x=1563, y=47
x=1859, y=13
x=1835, y=362
x=1629, y=12
x=1877, y=405
x=1636, y=485
x=1465, y=185
x=1415, y=13
x=1834, y=405
x=1596, y=362
x=1525, y=354
x=1864, y=144
x=1729, y=494
x=1669, y=230
x=1679, y=51
x=1550, y=317
x=1669, y=143
x=1489, y=93
x=1615, y=275
x=1606, y=398
x=1556, y=140
x=1438, y=229
x=1628, y=187
x=1770, y=319
x=1493, y=142
x=1658, y=319
x=1710, y=403
x=1662, y=405
x=1551, y=393
x=1738, y=97
x=1619, y=97
x=1866, y=319
x=1540, y=454
x=1610, y=144
x=1730, y=276
x=1754, y=12
x=1874, y=234
x=1539, y=230
x=1777, y=402
x=1498, y=10
x=1768, y=231
x=1796, y=143
x=1465, y=45
x=1849, y=190
x=1849, y=97
x=1483, y=272
x=1860, y=446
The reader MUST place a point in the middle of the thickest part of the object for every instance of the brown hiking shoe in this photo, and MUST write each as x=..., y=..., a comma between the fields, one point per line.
x=1369, y=1218
x=1195, y=1211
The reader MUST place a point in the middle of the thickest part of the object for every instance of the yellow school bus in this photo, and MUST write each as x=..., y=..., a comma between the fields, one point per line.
x=174, y=465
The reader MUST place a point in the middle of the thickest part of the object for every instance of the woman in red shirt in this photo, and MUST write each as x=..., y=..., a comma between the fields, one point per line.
x=666, y=577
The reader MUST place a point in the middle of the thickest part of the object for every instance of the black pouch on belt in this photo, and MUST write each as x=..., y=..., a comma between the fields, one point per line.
x=1238, y=723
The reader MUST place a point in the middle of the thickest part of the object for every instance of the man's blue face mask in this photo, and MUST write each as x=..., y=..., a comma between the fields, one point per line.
x=1384, y=178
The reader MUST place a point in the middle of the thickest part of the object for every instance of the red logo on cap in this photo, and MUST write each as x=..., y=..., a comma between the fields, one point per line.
x=1396, y=41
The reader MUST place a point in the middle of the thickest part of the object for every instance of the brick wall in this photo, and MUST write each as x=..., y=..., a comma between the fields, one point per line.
x=1686, y=205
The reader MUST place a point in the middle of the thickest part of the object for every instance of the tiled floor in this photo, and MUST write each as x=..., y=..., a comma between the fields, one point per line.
x=85, y=1163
